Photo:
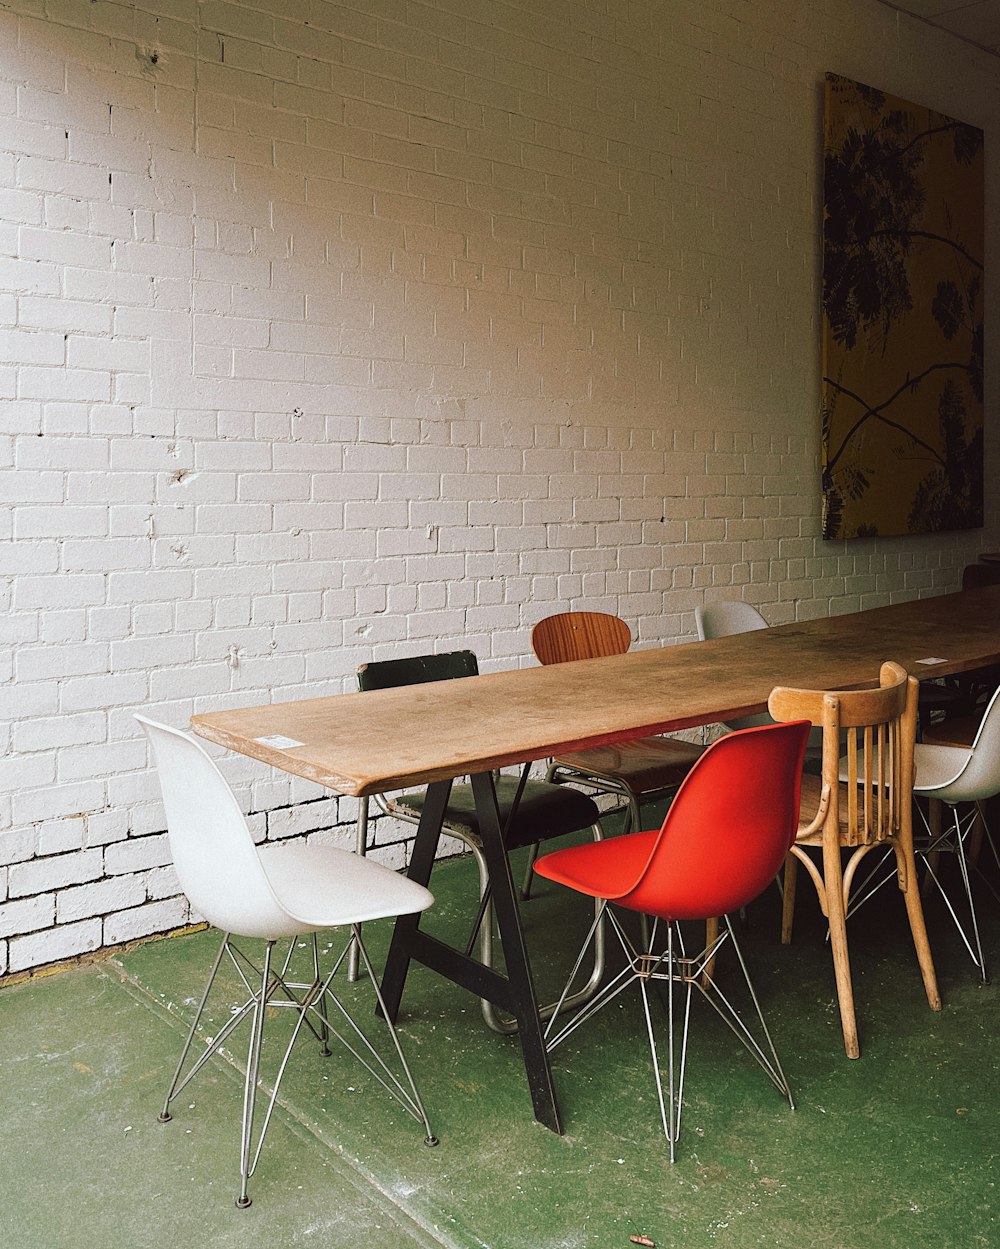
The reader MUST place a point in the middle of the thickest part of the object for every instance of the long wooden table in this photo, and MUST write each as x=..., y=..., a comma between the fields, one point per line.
x=383, y=740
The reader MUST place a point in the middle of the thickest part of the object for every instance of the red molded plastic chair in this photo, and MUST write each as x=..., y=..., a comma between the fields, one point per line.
x=723, y=841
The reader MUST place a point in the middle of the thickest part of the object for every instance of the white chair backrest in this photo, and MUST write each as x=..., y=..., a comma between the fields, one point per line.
x=213, y=853
x=719, y=620
x=980, y=778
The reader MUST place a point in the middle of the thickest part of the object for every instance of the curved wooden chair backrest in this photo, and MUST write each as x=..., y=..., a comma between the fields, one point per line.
x=579, y=635
x=868, y=738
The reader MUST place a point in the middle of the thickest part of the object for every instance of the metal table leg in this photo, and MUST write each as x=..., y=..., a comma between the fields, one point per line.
x=515, y=991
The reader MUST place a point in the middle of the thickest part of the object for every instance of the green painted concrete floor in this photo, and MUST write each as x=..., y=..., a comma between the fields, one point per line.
x=898, y=1149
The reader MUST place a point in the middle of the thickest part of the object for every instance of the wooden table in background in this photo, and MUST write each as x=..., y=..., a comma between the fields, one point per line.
x=361, y=744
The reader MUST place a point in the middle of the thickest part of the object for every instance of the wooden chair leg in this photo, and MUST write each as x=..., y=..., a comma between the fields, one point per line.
x=915, y=913
x=837, y=918
x=711, y=934
x=790, y=879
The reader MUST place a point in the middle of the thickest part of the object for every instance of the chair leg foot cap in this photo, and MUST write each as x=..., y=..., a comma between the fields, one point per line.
x=163, y=1117
x=243, y=1202
x=431, y=1141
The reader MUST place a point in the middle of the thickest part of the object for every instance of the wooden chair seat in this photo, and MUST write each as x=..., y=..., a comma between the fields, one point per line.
x=642, y=765
x=812, y=793
x=646, y=768
x=957, y=731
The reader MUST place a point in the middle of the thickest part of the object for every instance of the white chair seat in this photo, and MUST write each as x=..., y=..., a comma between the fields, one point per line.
x=937, y=768
x=323, y=886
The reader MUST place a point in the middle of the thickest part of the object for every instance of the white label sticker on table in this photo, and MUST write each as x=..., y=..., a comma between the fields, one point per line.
x=278, y=742
x=933, y=660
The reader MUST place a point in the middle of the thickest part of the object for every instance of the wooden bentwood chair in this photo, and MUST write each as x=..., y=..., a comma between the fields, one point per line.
x=860, y=802
x=720, y=845
x=635, y=771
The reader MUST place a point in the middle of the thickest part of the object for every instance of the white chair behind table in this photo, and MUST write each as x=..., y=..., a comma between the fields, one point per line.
x=723, y=619
x=959, y=775
x=719, y=620
x=274, y=893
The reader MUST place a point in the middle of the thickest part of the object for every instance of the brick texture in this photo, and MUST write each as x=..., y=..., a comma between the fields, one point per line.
x=328, y=336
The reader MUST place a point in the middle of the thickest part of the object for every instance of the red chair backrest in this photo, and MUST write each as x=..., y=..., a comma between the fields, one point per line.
x=728, y=829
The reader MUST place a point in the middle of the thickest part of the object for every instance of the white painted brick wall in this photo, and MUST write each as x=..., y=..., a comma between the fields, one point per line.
x=335, y=340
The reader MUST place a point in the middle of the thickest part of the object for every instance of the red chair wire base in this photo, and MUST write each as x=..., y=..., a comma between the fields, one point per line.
x=722, y=842
x=665, y=961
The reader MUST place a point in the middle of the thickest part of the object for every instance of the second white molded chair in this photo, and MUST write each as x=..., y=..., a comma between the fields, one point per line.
x=956, y=776
x=723, y=619
x=272, y=892
x=720, y=620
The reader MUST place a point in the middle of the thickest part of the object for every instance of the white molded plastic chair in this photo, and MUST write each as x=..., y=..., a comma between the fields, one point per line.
x=272, y=892
x=958, y=775
x=721, y=620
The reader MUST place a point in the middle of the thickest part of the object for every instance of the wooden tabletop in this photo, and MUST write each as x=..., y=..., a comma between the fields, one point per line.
x=368, y=743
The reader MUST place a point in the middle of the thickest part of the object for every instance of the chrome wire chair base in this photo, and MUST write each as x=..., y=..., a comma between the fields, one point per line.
x=270, y=988
x=952, y=838
x=671, y=965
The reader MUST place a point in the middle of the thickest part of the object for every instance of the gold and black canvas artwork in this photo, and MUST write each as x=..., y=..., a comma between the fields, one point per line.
x=902, y=316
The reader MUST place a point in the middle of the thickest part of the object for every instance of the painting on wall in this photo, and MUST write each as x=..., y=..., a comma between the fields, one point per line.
x=902, y=316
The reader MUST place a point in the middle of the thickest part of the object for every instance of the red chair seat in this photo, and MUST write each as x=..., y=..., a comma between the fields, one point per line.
x=722, y=842
x=603, y=875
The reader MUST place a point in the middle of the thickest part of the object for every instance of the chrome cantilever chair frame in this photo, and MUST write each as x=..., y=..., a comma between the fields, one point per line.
x=512, y=793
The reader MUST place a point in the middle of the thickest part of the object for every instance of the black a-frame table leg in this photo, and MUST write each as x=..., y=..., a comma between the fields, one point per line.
x=515, y=991
x=406, y=933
